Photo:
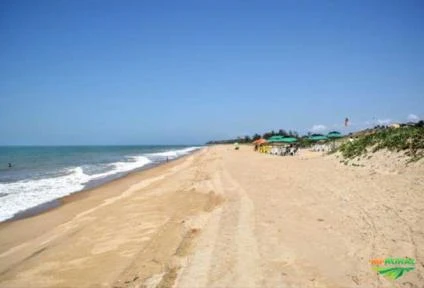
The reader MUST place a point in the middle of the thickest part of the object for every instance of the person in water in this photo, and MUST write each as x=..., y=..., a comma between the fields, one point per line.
x=10, y=165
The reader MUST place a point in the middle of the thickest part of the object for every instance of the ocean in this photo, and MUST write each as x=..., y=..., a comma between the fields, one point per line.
x=40, y=174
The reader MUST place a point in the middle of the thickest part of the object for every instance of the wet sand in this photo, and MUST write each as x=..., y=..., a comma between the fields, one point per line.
x=225, y=218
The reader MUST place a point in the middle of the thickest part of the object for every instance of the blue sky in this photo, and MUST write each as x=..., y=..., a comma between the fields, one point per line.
x=145, y=72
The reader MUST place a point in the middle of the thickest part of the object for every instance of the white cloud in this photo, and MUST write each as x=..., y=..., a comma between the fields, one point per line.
x=384, y=121
x=413, y=118
x=318, y=128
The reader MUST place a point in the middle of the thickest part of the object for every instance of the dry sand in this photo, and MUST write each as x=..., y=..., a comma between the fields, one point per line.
x=226, y=218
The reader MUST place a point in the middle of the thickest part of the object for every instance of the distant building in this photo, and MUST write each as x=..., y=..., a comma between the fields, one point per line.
x=394, y=125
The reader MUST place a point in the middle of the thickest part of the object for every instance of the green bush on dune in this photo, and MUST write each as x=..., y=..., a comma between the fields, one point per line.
x=408, y=139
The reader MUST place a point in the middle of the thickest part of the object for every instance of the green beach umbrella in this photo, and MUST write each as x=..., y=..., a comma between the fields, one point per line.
x=281, y=139
x=288, y=140
x=317, y=138
x=334, y=135
x=275, y=137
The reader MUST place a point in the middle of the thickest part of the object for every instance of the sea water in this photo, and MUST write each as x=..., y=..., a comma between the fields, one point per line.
x=41, y=174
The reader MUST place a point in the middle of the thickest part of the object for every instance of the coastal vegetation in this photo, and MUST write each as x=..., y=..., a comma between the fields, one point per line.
x=409, y=139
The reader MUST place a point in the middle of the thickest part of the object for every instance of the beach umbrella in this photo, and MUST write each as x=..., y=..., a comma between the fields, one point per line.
x=334, y=135
x=281, y=139
x=274, y=139
x=288, y=140
x=317, y=138
x=259, y=141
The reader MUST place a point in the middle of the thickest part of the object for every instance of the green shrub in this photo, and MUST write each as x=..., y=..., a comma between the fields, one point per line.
x=408, y=139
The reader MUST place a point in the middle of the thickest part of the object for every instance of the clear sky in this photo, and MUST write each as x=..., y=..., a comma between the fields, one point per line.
x=169, y=72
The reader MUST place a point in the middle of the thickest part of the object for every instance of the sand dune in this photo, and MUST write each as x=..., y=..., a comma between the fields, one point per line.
x=225, y=218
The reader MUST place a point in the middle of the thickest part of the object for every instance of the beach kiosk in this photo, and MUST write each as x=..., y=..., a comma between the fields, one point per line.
x=279, y=145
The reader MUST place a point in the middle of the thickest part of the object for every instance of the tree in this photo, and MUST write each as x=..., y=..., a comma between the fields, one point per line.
x=256, y=137
x=282, y=132
x=293, y=134
x=267, y=135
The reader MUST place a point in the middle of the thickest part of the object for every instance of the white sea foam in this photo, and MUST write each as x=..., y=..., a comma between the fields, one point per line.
x=171, y=154
x=25, y=194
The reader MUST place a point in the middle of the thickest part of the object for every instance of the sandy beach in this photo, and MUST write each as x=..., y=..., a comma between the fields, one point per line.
x=226, y=218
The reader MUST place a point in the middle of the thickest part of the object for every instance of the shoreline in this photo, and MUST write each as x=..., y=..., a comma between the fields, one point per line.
x=58, y=202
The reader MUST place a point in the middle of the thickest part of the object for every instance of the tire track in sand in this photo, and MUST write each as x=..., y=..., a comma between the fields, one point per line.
x=248, y=273
x=227, y=253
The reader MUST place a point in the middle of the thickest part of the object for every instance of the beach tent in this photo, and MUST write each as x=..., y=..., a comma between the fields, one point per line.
x=334, y=135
